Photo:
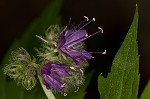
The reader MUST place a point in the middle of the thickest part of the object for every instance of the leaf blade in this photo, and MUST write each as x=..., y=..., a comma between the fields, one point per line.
x=146, y=92
x=122, y=82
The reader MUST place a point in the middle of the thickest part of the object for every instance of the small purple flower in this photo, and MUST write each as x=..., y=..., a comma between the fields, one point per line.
x=61, y=77
x=54, y=75
x=71, y=39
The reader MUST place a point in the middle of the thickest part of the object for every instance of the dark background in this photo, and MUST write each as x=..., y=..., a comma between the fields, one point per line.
x=114, y=16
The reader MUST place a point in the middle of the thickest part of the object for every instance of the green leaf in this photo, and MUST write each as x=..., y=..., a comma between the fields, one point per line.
x=81, y=92
x=8, y=88
x=123, y=80
x=146, y=92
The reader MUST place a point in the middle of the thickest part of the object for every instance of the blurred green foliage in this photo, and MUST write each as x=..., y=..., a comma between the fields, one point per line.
x=8, y=88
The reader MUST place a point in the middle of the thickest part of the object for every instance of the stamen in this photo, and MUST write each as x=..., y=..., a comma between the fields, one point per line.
x=93, y=20
x=82, y=72
x=86, y=35
x=100, y=29
x=98, y=52
x=73, y=68
x=80, y=40
x=63, y=85
x=86, y=19
x=104, y=52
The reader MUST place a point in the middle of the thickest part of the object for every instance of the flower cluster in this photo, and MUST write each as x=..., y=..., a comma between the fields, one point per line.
x=62, y=59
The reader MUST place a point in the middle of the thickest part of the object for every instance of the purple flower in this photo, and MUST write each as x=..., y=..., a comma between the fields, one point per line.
x=61, y=73
x=54, y=75
x=71, y=39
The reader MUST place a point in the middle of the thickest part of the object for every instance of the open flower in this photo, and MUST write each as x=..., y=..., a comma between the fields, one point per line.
x=53, y=75
x=60, y=77
x=71, y=42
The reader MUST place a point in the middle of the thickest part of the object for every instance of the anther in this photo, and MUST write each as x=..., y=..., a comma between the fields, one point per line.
x=100, y=29
x=65, y=94
x=104, y=52
x=98, y=52
x=94, y=19
x=86, y=35
x=86, y=18
x=63, y=85
x=73, y=68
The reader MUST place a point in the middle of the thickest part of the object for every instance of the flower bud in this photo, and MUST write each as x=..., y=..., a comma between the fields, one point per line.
x=22, y=68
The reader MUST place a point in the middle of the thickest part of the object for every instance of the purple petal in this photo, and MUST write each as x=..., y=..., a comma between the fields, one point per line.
x=75, y=37
x=46, y=69
x=52, y=82
x=77, y=55
x=47, y=85
x=62, y=40
x=60, y=71
x=86, y=54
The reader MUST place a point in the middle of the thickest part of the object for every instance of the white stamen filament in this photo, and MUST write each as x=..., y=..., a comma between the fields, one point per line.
x=98, y=52
x=93, y=20
x=80, y=40
x=86, y=19
x=82, y=72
